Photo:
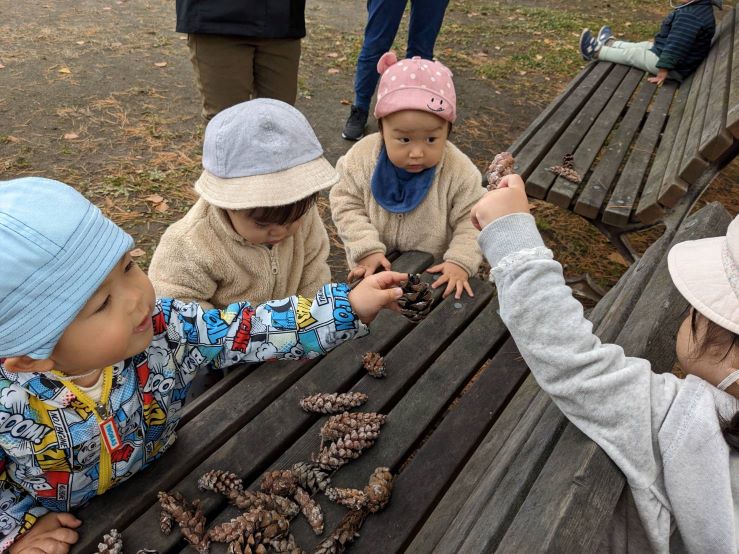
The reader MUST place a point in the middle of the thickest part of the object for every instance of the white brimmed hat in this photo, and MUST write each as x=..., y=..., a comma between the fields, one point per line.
x=706, y=272
x=261, y=153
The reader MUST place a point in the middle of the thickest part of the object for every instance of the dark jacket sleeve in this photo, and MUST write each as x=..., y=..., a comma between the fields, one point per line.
x=680, y=40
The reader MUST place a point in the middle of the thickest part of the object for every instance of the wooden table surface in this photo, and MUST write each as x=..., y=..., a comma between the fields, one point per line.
x=449, y=378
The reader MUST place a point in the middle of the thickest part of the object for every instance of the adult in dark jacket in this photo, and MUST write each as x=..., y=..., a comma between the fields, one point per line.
x=679, y=47
x=243, y=49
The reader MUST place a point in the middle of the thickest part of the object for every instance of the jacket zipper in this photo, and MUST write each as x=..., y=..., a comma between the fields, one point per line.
x=101, y=411
x=273, y=261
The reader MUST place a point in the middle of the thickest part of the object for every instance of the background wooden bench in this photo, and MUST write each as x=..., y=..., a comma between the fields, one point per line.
x=645, y=153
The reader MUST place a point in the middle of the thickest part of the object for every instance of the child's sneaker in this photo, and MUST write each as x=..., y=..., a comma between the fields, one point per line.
x=604, y=35
x=589, y=45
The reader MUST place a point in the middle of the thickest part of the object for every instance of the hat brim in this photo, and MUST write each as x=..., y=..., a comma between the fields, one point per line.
x=271, y=189
x=697, y=269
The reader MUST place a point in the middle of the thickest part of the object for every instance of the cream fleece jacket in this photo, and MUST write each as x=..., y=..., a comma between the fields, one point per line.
x=201, y=258
x=440, y=225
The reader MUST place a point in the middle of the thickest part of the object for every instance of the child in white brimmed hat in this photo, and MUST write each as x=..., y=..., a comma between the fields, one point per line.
x=676, y=440
x=255, y=232
x=82, y=337
x=407, y=187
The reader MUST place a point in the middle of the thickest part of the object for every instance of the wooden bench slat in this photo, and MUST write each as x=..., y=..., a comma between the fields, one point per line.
x=538, y=146
x=574, y=496
x=437, y=524
x=563, y=191
x=333, y=373
x=716, y=139
x=649, y=209
x=732, y=117
x=626, y=192
x=540, y=120
x=599, y=185
x=541, y=179
x=693, y=164
x=673, y=186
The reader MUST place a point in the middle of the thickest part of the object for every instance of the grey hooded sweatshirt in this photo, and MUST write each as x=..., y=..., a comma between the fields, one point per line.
x=662, y=432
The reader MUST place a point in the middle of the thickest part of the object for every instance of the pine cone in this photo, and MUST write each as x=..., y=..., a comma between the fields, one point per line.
x=247, y=544
x=332, y=402
x=358, y=425
x=501, y=166
x=377, y=491
x=346, y=531
x=567, y=169
x=374, y=364
x=147, y=551
x=189, y=517
x=220, y=482
x=112, y=543
x=250, y=500
x=342, y=451
x=415, y=304
x=311, y=476
x=354, y=499
x=280, y=482
x=165, y=522
x=311, y=510
x=270, y=523
x=286, y=545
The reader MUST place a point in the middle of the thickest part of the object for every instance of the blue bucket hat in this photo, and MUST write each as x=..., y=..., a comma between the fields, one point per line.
x=56, y=248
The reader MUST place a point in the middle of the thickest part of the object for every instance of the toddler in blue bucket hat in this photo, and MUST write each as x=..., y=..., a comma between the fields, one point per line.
x=81, y=335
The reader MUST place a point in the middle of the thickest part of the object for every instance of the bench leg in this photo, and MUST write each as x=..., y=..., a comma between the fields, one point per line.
x=615, y=236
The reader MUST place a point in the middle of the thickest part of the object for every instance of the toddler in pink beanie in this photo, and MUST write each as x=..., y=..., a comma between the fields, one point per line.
x=407, y=187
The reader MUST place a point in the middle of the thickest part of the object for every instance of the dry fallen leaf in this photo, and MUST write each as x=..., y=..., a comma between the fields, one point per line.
x=11, y=138
x=137, y=252
x=2, y=66
x=154, y=198
x=333, y=71
x=332, y=55
x=80, y=42
x=108, y=202
x=161, y=64
x=539, y=57
x=618, y=258
x=65, y=70
x=346, y=102
x=161, y=207
x=71, y=136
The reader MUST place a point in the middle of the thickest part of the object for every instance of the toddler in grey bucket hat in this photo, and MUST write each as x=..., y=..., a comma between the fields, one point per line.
x=261, y=153
x=255, y=232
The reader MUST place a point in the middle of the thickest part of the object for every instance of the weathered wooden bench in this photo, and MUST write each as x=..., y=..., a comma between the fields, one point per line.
x=645, y=153
x=484, y=460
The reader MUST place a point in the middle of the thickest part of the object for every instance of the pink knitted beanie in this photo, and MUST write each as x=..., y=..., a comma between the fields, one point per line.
x=415, y=84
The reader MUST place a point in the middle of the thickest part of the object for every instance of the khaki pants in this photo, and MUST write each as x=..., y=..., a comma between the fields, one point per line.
x=634, y=54
x=231, y=69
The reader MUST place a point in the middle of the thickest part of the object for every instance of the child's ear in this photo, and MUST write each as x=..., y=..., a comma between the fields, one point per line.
x=25, y=364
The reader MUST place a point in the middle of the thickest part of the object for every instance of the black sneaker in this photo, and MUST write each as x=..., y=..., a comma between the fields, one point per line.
x=354, y=127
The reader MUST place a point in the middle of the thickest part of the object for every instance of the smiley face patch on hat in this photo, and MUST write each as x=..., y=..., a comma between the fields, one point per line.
x=415, y=84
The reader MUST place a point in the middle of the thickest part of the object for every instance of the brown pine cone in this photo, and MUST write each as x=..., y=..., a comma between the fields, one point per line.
x=359, y=425
x=311, y=476
x=501, y=166
x=346, y=531
x=165, y=522
x=112, y=543
x=311, y=510
x=270, y=523
x=286, y=545
x=377, y=491
x=354, y=499
x=189, y=517
x=374, y=364
x=568, y=161
x=567, y=169
x=417, y=299
x=220, y=482
x=332, y=402
x=280, y=482
x=342, y=451
x=249, y=500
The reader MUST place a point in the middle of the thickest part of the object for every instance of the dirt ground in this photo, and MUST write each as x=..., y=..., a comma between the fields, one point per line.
x=101, y=94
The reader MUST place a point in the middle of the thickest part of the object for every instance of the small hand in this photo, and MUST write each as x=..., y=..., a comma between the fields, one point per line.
x=660, y=78
x=508, y=198
x=52, y=534
x=455, y=278
x=369, y=265
x=376, y=292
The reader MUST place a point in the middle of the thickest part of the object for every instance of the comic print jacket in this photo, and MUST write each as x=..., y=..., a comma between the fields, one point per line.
x=52, y=457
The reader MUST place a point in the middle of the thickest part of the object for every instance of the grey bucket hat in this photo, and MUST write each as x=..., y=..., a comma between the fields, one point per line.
x=261, y=153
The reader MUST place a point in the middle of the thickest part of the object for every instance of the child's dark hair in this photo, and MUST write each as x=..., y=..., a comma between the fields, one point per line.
x=283, y=215
x=715, y=336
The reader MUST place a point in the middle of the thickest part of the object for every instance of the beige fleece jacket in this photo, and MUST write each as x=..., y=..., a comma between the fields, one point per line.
x=201, y=258
x=439, y=225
